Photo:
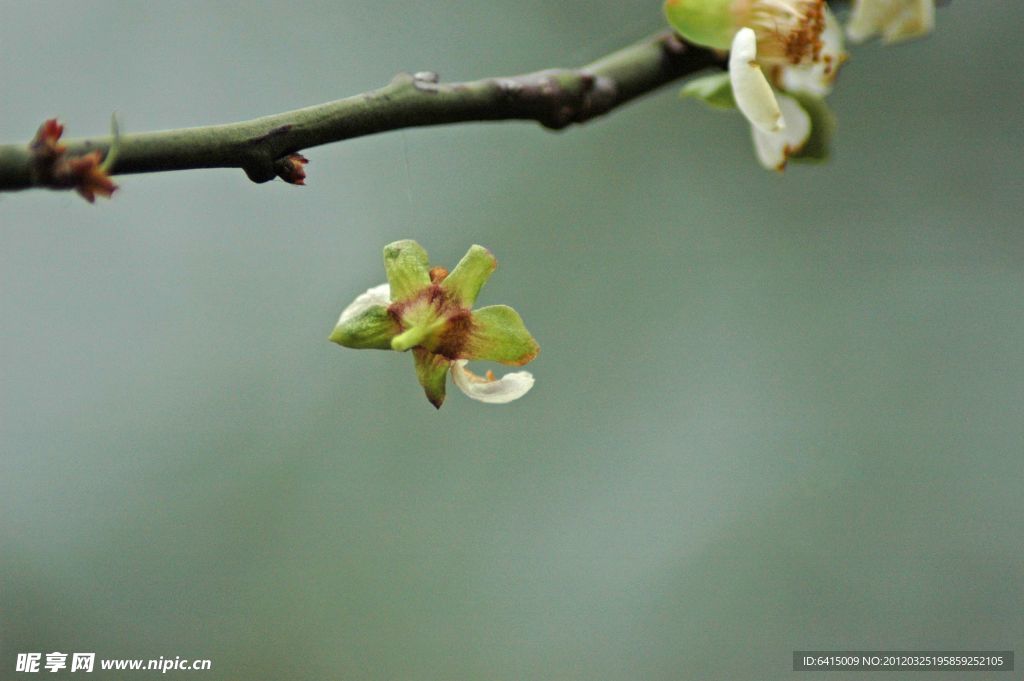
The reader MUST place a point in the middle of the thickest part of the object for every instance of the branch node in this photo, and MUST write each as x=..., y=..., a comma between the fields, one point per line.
x=402, y=79
x=558, y=98
x=673, y=44
x=260, y=170
x=263, y=152
x=422, y=77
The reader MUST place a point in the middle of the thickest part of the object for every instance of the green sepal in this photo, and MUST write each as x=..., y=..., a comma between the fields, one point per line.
x=469, y=276
x=407, y=267
x=499, y=335
x=705, y=22
x=432, y=373
x=715, y=91
x=372, y=329
x=823, y=125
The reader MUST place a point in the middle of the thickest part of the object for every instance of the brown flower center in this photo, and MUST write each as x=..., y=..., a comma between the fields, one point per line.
x=788, y=31
x=433, y=308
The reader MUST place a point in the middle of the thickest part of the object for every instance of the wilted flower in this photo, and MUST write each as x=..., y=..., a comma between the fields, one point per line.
x=894, y=20
x=429, y=311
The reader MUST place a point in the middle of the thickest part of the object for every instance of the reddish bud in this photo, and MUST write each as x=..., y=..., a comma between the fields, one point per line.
x=291, y=170
x=45, y=144
x=54, y=168
x=89, y=177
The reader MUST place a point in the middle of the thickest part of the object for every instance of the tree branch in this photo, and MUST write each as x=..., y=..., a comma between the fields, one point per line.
x=555, y=98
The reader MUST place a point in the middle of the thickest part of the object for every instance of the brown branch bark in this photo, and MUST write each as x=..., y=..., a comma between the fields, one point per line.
x=555, y=98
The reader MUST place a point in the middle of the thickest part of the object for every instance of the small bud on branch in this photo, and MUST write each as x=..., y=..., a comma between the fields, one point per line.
x=54, y=167
x=291, y=168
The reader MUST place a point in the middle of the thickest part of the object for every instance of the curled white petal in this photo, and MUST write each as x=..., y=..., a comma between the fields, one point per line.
x=895, y=20
x=750, y=88
x=378, y=295
x=774, y=149
x=817, y=78
x=493, y=391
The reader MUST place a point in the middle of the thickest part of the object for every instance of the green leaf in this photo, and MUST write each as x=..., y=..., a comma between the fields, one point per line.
x=715, y=91
x=407, y=267
x=823, y=125
x=469, y=276
x=498, y=334
x=372, y=329
x=432, y=373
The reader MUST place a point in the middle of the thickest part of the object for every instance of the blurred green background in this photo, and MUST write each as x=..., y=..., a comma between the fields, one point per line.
x=771, y=412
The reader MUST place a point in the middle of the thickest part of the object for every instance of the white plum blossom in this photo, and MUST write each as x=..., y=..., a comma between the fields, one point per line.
x=783, y=60
x=780, y=125
x=784, y=56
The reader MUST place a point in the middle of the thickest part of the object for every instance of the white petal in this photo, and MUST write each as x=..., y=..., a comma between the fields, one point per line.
x=750, y=88
x=895, y=19
x=866, y=18
x=817, y=78
x=378, y=295
x=505, y=389
x=916, y=20
x=774, y=149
